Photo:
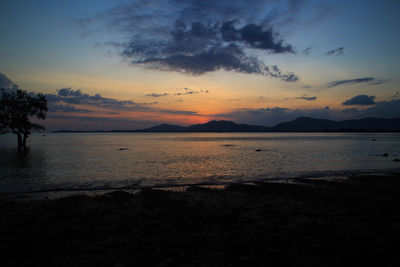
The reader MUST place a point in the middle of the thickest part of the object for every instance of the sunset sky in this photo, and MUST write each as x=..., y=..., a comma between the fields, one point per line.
x=133, y=64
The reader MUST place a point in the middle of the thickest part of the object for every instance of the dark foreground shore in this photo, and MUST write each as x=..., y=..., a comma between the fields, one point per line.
x=311, y=223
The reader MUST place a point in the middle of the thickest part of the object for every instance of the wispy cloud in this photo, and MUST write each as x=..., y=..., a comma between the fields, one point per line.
x=307, y=51
x=180, y=112
x=186, y=91
x=304, y=97
x=157, y=95
x=191, y=92
x=368, y=80
x=337, y=52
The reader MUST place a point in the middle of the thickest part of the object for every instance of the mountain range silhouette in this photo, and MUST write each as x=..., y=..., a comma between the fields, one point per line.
x=301, y=124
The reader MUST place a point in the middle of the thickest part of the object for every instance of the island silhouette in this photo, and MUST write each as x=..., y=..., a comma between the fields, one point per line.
x=301, y=124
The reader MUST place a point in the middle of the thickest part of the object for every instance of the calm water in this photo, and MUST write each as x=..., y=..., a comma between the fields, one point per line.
x=75, y=161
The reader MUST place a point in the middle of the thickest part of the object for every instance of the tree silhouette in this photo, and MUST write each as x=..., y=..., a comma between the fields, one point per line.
x=16, y=108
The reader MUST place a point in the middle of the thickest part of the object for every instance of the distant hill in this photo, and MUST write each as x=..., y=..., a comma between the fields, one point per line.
x=165, y=128
x=226, y=126
x=371, y=124
x=301, y=124
x=305, y=124
x=211, y=126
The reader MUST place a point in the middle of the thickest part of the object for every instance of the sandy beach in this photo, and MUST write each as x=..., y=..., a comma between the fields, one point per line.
x=306, y=223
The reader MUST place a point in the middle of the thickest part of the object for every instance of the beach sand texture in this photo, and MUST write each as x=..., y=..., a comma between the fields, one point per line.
x=309, y=223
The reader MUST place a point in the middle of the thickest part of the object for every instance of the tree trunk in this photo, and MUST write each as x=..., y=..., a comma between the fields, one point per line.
x=24, y=140
x=19, y=141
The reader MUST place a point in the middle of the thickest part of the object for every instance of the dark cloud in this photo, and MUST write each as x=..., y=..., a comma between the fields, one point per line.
x=360, y=100
x=254, y=36
x=68, y=92
x=148, y=103
x=304, y=97
x=275, y=72
x=6, y=83
x=337, y=52
x=70, y=101
x=157, y=95
x=66, y=108
x=76, y=97
x=229, y=58
x=368, y=80
x=196, y=37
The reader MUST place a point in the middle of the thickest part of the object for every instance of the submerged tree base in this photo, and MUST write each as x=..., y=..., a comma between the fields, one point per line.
x=314, y=223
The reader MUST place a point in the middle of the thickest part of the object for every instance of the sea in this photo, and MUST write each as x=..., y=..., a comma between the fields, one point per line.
x=56, y=162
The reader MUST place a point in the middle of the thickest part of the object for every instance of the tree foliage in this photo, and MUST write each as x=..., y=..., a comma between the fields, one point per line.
x=17, y=107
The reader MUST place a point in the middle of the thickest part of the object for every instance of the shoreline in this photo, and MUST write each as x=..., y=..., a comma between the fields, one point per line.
x=56, y=193
x=313, y=222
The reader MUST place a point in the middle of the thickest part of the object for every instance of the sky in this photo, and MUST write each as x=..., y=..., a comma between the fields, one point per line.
x=131, y=64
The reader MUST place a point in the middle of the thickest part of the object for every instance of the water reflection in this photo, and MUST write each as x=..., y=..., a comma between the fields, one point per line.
x=21, y=167
x=87, y=161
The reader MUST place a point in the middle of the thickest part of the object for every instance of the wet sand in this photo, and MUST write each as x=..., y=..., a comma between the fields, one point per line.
x=307, y=223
